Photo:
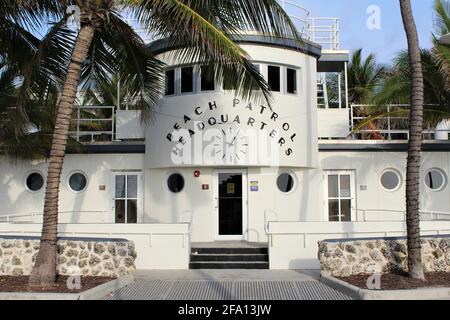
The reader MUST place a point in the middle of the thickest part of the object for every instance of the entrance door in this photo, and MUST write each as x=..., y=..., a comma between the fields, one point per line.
x=340, y=196
x=231, y=204
x=127, y=200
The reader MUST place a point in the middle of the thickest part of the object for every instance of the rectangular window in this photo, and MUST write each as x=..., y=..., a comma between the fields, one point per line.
x=187, y=79
x=273, y=78
x=339, y=195
x=170, y=82
x=207, y=79
x=126, y=198
x=291, y=81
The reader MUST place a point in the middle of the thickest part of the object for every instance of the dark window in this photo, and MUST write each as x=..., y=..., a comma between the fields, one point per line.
x=170, y=82
x=187, y=79
x=208, y=83
x=175, y=183
x=291, y=81
x=35, y=182
x=435, y=179
x=390, y=180
x=285, y=182
x=77, y=182
x=273, y=78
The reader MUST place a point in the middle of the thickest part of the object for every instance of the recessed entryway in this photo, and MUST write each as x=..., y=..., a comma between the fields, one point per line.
x=230, y=204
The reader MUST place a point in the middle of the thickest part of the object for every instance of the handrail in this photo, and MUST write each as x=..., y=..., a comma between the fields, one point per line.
x=79, y=133
x=436, y=214
x=390, y=122
x=33, y=215
x=187, y=217
x=266, y=219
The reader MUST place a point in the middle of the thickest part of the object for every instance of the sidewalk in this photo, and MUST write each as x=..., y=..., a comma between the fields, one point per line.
x=227, y=285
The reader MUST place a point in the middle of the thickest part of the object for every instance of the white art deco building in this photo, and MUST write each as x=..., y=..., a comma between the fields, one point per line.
x=214, y=170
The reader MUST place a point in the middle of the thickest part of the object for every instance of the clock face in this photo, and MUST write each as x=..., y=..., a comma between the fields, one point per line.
x=231, y=146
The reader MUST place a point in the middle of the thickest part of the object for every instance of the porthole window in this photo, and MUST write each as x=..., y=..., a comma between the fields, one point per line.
x=175, y=183
x=35, y=182
x=285, y=182
x=77, y=182
x=435, y=179
x=391, y=180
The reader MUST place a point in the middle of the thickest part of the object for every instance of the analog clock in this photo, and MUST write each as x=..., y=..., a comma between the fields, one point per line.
x=231, y=146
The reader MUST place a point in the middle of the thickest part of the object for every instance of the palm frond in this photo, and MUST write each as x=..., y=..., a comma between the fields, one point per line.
x=203, y=41
x=442, y=17
x=118, y=50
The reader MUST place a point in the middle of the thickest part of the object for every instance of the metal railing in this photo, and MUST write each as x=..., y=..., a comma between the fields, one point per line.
x=96, y=123
x=425, y=215
x=35, y=217
x=269, y=216
x=388, y=127
x=321, y=30
x=325, y=31
x=299, y=15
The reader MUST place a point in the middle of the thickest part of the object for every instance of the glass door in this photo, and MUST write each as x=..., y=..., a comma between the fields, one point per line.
x=127, y=206
x=340, y=196
x=231, y=204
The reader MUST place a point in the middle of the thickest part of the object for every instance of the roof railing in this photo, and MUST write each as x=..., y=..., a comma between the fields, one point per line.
x=393, y=125
x=321, y=30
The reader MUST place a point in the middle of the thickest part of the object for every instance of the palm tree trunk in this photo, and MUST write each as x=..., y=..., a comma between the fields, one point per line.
x=415, y=145
x=44, y=271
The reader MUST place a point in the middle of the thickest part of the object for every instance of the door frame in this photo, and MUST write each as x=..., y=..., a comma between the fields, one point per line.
x=244, y=235
x=140, y=194
x=352, y=174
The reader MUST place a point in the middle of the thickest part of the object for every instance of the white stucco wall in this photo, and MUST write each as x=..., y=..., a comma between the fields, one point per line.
x=15, y=198
x=304, y=203
x=369, y=166
x=162, y=206
x=298, y=110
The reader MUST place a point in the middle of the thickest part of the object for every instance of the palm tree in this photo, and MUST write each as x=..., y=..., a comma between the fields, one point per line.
x=415, y=144
x=397, y=86
x=106, y=44
x=33, y=60
x=364, y=76
x=31, y=71
x=442, y=51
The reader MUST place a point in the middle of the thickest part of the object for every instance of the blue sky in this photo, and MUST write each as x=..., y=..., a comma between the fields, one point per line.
x=387, y=41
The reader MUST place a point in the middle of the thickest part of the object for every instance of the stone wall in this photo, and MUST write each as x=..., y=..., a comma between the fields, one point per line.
x=88, y=257
x=342, y=258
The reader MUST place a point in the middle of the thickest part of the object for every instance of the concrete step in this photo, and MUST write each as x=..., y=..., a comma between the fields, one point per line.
x=230, y=257
x=229, y=251
x=229, y=265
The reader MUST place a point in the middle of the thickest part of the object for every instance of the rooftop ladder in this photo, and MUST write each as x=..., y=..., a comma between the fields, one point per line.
x=322, y=93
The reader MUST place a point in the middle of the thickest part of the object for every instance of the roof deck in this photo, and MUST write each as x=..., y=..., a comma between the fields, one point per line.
x=103, y=125
x=324, y=31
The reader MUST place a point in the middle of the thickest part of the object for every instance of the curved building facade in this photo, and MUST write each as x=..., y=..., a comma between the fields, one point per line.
x=212, y=167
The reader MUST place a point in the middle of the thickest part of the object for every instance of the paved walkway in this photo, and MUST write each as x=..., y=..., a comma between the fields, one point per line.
x=227, y=285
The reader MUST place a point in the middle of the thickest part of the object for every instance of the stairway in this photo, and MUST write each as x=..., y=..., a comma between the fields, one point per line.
x=322, y=94
x=229, y=258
